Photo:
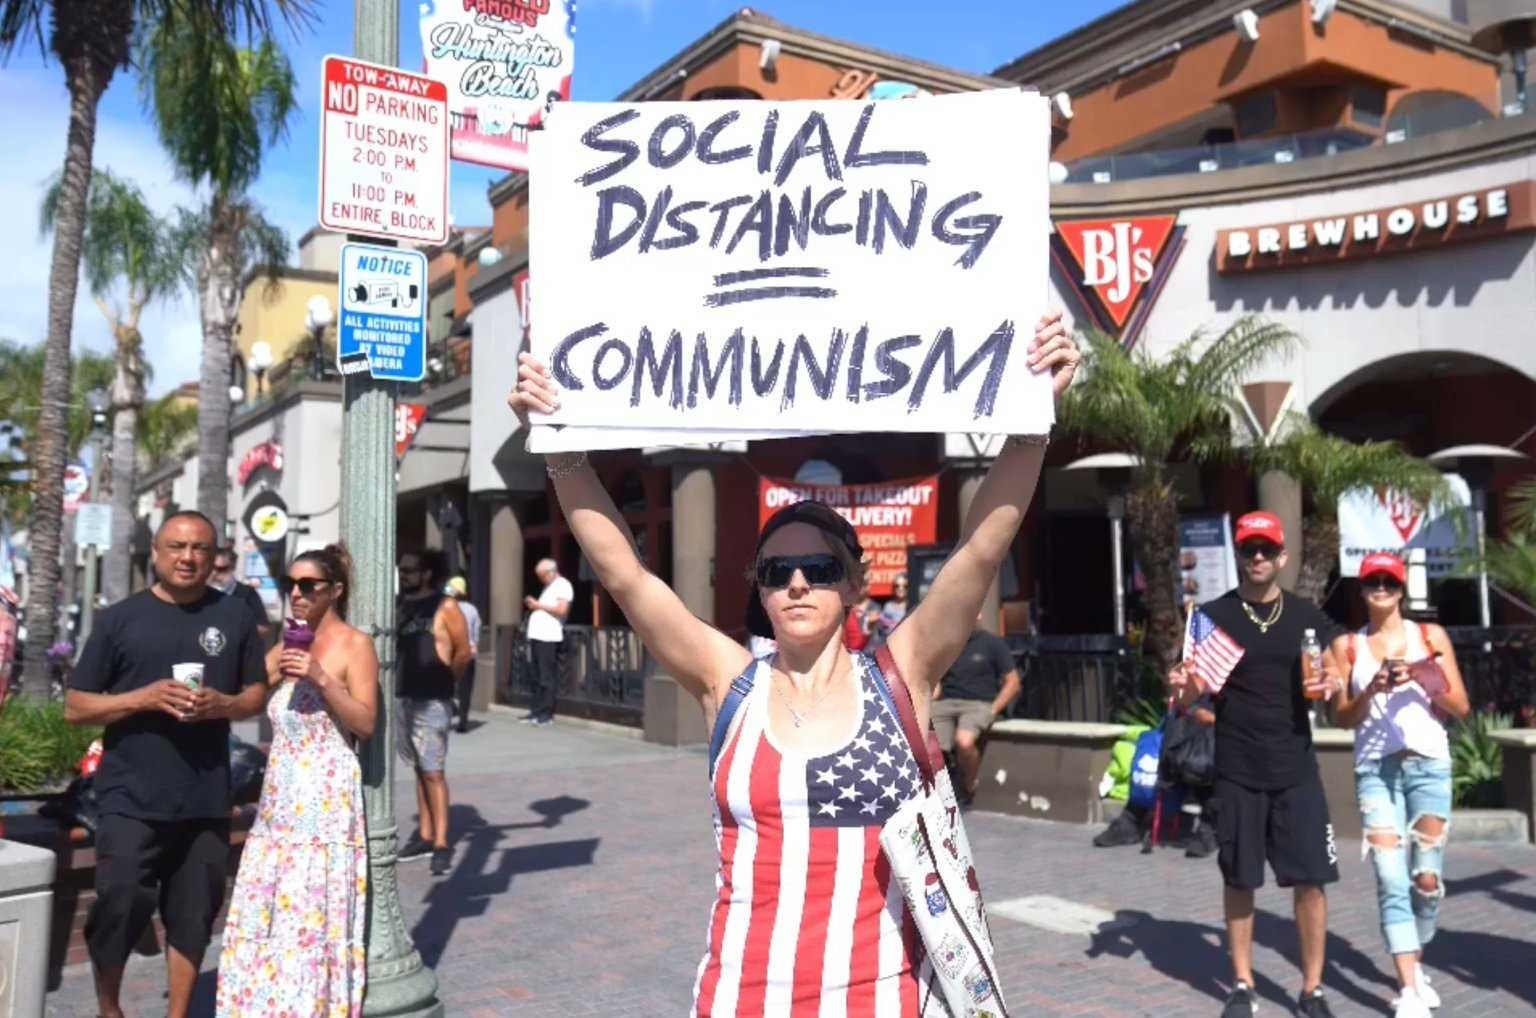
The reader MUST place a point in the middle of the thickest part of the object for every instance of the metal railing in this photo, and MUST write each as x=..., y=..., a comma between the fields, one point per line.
x=1498, y=666
x=1233, y=155
x=602, y=672
x=1091, y=678
x=1074, y=678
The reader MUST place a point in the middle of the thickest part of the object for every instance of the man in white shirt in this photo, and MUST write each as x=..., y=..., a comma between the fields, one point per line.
x=546, y=630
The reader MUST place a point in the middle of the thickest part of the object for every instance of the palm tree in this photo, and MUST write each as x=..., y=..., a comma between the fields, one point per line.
x=217, y=107
x=21, y=394
x=164, y=427
x=1329, y=467
x=1178, y=406
x=128, y=263
x=92, y=40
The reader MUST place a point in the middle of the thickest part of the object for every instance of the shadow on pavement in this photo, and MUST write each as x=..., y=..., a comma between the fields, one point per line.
x=1196, y=955
x=482, y=870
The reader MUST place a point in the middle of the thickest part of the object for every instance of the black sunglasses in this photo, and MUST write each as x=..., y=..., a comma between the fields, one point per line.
x=1381, y=583
x=776, y=571
x=308, y=586
x=1254, y=549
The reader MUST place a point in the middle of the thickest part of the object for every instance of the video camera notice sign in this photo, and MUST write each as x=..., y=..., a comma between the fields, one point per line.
x=383, y=152
x=829, y=266
x=383, y=326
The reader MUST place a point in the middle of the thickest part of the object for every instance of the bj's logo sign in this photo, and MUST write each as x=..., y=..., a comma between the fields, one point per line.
x=1112, y=263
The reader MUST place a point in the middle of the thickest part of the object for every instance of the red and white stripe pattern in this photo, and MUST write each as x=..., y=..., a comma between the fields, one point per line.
x=1209, y=651
x=808, y=922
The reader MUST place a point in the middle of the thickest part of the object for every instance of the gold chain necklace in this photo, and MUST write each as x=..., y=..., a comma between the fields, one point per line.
x=1274, y=616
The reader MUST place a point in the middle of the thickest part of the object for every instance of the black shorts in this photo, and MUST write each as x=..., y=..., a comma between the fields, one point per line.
x=178, y=865
x=1287, y=826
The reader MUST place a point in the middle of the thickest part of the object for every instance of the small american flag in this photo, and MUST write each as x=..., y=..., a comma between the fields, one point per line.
x=1210, y=653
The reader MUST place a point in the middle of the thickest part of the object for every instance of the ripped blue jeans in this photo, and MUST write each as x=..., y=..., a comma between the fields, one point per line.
x=1395, y=794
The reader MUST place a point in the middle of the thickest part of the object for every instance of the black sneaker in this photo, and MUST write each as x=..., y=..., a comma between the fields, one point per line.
x=415, y=847
x=1313, y=1005
x=1202, y=843
x=1240, y=1002
x=1123, y=830
x=441, y=858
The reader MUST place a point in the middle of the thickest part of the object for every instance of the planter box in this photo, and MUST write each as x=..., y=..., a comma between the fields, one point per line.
x=26, y=904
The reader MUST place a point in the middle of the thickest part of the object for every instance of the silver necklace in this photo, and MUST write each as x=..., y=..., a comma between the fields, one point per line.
x=800, y=717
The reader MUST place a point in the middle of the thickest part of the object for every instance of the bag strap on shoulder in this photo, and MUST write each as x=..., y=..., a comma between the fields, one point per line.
x=741, y=685
x=888, y=675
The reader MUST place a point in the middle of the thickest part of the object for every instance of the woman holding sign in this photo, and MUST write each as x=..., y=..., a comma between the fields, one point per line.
x=809, y=758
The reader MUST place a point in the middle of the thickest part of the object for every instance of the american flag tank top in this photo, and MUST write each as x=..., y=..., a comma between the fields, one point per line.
x=807, y=921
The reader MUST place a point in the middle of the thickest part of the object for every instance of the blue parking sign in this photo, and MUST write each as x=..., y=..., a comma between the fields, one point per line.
x=382, y=328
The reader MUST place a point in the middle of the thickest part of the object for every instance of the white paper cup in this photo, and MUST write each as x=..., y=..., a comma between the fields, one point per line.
x=189, y=674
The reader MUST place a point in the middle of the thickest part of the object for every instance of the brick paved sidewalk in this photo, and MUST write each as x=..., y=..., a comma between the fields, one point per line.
x=583, y=870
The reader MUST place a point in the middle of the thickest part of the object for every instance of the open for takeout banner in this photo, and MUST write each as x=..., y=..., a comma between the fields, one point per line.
x=888, y=517
x=799, y=266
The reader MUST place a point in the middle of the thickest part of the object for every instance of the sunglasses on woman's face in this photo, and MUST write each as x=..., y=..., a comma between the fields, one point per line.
x=775, y=571
x=308, y=585
x=1386, y=583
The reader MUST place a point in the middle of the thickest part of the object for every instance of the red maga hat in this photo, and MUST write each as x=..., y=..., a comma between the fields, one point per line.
x=1383, y=562
x=1260, y=526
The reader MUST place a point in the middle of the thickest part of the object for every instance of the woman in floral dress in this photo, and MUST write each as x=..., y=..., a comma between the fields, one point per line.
x=293, y=942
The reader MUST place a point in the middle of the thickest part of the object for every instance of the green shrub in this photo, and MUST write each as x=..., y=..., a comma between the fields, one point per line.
x=1477, y=762
x=38, y=748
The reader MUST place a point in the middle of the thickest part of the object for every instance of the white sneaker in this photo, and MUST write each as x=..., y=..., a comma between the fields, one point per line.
x=1421, y=986
x=1410, y=1005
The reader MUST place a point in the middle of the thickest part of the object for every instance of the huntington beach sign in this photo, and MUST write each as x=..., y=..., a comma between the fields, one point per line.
x=797, y=266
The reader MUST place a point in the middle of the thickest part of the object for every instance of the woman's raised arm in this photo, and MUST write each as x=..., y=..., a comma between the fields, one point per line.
x=696, y=654
x=931, y=637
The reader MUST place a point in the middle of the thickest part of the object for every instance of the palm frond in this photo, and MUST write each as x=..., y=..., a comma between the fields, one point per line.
x=1329, y=467
x=1520, y=513
x=216, y=106
x=125, y=241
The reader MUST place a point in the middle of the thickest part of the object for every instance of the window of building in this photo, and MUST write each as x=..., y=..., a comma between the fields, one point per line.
x=1369, y=105
x=726, y=92
x=1256, y=114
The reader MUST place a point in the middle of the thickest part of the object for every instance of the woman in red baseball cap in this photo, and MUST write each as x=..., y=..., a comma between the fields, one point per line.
x=811, y=762
x=1403, y=681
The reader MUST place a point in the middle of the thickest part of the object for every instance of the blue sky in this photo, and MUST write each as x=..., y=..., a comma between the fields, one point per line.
x=618, y=42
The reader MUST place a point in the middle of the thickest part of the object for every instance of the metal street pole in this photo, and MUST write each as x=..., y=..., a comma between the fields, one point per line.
x=398, y=982
x=93, y=555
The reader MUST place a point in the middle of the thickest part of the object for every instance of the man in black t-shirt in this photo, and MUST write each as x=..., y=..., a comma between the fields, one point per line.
x=979, y=686
x=432, y=651
x=163, y=782
x=1268, y=799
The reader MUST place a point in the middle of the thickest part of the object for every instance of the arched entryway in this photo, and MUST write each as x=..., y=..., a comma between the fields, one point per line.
x=1429, y=401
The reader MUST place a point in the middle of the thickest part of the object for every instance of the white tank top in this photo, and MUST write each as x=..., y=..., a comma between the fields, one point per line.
x=1402, y=718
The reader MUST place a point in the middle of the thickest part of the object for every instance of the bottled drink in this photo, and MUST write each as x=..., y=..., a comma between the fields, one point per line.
x=1311, y=664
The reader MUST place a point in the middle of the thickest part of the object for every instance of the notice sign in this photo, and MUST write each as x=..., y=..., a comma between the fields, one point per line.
x=383, y=152
x=888, y=517
x=505, y=63
x=1372, y=521
x=810, y=266
x=383, y=301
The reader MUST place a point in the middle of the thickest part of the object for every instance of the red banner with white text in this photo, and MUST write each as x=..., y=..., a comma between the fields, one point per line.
x=888, y=517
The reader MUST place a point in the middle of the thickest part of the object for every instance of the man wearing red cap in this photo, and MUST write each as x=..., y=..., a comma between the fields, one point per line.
x=1268, y=800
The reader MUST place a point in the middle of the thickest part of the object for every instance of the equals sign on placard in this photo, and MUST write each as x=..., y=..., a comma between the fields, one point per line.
x=765, y=291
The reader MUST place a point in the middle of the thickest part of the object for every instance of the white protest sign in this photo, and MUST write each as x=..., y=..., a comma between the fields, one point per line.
x=1372, y=521
x=831, y=266
x=383, y=152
